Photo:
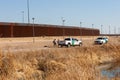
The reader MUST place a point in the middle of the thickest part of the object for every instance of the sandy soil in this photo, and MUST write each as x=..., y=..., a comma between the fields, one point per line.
x=53, y=63
x=26, y=44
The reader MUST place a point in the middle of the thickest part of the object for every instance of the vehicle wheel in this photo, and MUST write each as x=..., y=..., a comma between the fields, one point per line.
x=59, y=46
x=80, y=44
x=101, y=43
x=68, y=45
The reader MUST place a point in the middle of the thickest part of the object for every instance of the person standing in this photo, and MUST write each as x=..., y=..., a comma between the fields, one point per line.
x=54, y=42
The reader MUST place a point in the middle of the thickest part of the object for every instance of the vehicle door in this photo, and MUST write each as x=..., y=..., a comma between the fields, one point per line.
x=73, y=42
x=103, y=40
x=76, y=42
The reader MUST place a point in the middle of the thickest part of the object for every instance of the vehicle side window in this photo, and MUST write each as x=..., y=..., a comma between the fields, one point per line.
x=72, y=39
x=76, y=40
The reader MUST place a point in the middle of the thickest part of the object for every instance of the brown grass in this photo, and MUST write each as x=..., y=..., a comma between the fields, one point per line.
x=77, y=63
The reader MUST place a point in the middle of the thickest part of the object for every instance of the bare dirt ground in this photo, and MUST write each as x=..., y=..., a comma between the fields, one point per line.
x=40, y=60
x=27, y=44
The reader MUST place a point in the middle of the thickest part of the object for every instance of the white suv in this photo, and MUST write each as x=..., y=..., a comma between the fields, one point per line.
x=70, y=42
x=101, y=40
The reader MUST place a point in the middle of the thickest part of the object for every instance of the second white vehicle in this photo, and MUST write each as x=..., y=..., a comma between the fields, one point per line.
x=101, y=40
x=70, y=42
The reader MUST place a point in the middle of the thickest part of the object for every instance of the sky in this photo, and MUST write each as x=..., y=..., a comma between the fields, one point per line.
x=103, y=14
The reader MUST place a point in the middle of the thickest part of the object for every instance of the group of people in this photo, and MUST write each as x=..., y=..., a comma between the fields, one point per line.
x=55, y=42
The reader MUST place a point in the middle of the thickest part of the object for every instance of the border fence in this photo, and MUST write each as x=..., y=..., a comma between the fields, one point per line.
x=26, y=30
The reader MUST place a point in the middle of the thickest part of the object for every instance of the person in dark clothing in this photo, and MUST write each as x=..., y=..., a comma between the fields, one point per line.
x=54, y=42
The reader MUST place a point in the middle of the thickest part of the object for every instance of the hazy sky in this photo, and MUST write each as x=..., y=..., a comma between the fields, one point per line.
x=97, y=12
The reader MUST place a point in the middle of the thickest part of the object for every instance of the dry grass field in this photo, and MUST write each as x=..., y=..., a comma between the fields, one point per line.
x=21, y=59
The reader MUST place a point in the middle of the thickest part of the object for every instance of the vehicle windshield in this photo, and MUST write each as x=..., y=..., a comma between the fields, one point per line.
x=74, y=39
x=102, y=38
x=99, y=38
x=67, y=39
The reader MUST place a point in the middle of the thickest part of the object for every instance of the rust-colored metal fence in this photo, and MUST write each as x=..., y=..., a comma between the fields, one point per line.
x=26, y=30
